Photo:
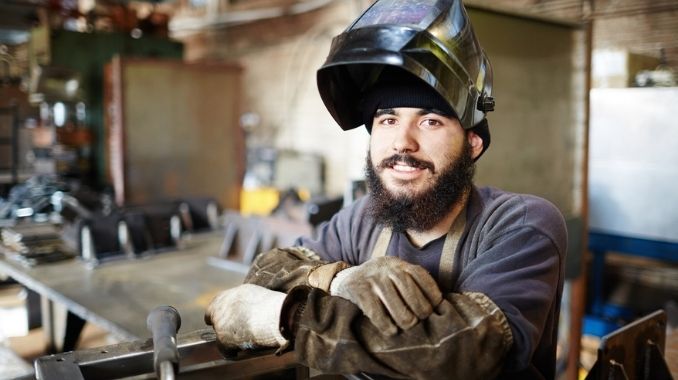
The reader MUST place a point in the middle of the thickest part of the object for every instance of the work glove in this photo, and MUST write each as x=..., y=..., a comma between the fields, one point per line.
x=247, y=317
x=391, y=292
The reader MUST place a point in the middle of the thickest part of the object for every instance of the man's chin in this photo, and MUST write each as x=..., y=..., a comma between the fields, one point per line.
x=405, y=191
x=409, y=187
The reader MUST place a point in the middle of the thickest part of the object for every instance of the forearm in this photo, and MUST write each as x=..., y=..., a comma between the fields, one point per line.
x=467, y=337
x=282, y=269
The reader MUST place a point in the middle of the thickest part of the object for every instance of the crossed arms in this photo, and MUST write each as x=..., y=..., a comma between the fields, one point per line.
x=501, y=317
x=462, y=334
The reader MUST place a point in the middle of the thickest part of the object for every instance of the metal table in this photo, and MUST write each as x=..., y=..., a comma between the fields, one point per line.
x=117, y=296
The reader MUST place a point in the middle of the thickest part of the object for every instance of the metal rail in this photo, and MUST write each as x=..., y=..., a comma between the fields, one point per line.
x=200, y=359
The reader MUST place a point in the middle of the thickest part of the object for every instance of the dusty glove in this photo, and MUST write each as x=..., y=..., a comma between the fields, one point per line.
x=321, y=277
x=391, y=292
x=247, y=317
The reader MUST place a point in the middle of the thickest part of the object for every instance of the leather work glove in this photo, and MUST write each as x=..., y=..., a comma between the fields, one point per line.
x=247, y=317
x=391, y=292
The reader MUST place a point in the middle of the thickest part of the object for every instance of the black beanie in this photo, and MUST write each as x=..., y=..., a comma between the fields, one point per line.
x=396, y=88
x=402, y=92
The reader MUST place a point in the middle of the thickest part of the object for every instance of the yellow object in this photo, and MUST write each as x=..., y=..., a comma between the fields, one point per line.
x=304, y=194
x=259, y=201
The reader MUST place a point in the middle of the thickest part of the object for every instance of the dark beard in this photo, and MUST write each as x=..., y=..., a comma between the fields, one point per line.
x=420, y=212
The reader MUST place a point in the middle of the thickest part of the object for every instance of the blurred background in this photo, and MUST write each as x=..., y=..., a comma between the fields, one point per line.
x=208, y=110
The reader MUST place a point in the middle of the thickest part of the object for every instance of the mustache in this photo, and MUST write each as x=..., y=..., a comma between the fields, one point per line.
x=407, y=159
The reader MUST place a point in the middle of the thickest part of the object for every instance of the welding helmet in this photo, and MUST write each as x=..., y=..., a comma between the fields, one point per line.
x=431, y=40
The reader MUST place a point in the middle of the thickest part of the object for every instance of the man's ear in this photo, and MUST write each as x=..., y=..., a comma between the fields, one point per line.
x=476, y=143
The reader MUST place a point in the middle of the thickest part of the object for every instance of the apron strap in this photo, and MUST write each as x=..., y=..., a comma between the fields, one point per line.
x=446, y=265
x=383, y=240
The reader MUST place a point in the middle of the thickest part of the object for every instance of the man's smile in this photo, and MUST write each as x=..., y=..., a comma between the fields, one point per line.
x=402, y=167
x=405, y=163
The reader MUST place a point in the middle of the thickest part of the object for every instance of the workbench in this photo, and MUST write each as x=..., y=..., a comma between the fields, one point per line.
x=117, y=296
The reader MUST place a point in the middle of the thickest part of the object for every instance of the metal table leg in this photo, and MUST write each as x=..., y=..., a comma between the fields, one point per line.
x=61, y=327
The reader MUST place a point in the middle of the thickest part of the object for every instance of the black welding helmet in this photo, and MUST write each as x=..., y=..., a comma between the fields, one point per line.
x=432, y=40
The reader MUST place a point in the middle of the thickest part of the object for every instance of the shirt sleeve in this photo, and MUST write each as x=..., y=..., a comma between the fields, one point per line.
x=466, y=337
x=517, y=262
x=282, y=269
x=348, y=236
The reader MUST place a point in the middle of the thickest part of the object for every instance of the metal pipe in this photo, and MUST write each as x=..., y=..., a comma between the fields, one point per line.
x=164, y=322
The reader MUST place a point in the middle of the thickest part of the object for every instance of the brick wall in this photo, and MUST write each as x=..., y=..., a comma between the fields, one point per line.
x=639, y=26
x=643, y=28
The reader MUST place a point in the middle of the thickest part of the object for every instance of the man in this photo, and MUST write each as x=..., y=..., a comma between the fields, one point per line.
x=427, y=276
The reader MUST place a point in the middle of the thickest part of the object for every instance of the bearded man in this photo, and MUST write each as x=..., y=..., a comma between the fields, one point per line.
x=428, y=276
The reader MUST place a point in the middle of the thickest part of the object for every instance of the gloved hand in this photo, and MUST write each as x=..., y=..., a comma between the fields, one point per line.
x=391, y=292
x=247, y=317
x=321, y=277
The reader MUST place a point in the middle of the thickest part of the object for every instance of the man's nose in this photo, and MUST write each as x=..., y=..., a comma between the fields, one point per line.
x=405, y=139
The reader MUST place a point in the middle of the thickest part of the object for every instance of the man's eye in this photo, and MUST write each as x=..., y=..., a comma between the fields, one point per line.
x=431, y=123
x=387, y=121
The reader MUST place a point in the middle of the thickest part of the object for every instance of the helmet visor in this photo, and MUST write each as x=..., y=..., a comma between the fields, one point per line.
x=418, y=14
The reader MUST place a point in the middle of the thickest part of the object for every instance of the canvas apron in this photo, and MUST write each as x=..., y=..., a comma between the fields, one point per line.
x=446, y=257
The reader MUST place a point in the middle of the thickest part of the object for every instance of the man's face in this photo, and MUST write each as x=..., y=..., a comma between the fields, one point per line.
x=410, y=147
x=420, y=164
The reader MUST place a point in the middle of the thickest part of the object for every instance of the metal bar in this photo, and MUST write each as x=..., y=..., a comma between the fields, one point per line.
x=655, y=249
x=53, y=370
x=200, y=358
x=164, y=322
x=49, y=324
x=72, y=330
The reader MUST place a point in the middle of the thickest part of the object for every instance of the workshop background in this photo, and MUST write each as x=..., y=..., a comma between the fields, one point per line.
x=132, y=131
